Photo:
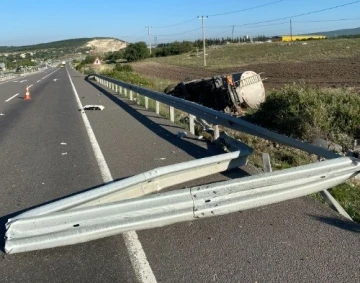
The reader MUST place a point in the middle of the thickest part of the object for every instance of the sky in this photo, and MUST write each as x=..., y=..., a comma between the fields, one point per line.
x=36, y=21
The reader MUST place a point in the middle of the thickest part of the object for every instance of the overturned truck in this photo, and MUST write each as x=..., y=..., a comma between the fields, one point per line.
x=229, y=93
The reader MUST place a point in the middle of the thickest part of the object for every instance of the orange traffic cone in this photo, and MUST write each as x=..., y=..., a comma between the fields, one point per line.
x=27, y=94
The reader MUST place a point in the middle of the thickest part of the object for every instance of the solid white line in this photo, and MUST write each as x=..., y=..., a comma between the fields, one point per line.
x=15, y=95
x=137, y=255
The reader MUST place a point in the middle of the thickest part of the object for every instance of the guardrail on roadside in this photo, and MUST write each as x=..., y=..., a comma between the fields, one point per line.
x=210, y=115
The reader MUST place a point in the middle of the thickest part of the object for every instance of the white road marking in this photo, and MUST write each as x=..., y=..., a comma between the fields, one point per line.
x=49, y=74
x=137, y=255
x=15, y=95
x=38, y=81
x=30, y=86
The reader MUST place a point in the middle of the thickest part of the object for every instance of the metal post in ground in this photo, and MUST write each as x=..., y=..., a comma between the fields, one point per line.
x=172, y=113
x=157, y=107
x=192, y=124
x=216, y=132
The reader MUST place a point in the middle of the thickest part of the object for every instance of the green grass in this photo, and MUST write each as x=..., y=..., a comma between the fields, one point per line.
x=348, y=195
x=305, y=112
x=235, y=55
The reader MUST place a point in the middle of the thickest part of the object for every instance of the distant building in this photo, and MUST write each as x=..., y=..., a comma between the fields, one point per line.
x=288, y=38
x=97, y=61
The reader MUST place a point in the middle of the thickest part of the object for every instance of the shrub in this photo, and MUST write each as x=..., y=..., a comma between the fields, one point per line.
x=123, y=68
x=130, y=77
x=304, y=112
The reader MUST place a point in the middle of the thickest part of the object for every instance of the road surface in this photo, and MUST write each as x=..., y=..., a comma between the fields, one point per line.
x=46, y=154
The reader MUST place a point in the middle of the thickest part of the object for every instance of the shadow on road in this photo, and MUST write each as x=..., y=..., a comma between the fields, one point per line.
x=342, y=224
x=187, y=145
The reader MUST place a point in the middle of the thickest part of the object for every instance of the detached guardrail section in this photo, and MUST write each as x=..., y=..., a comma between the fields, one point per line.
x=124, y=205
x=80, y=224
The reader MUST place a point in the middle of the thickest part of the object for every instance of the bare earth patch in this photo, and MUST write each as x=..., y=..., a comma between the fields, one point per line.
x=325, y=73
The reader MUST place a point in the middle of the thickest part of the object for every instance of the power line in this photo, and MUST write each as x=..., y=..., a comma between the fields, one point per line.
x=177, y=33
x=223, y=32
x=255, y=26
x=303, y=14
x=220, y=14
x=247, y=9
x=178, y=24
x=322, y=21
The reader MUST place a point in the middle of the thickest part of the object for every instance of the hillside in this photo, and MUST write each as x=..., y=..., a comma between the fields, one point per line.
x=340, y=32
x=97, y=45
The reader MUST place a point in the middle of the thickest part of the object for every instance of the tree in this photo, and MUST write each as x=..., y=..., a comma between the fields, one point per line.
x=136, y=51
x=89, y=59
x=114, y=56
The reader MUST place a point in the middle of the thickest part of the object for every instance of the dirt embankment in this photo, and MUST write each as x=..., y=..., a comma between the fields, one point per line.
x=331, y=73
x=105, y=45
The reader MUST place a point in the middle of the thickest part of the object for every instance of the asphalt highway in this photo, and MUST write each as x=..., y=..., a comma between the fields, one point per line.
x=46, y=154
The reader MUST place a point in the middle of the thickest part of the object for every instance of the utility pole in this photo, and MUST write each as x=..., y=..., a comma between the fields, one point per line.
x=232, y=34
x=148, y=31
x=291, y=37
x=155, y=41
x=203, y=33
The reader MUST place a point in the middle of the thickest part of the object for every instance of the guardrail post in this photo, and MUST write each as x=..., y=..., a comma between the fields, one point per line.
x=172, y=113
x=146, y=102
x=107, y=84
x=120, y=89
x=130, y=94
x=116, y=88
x=192, y=124
x=266, y=162
x=138, y=97
x=216, y=132
x=157, y=107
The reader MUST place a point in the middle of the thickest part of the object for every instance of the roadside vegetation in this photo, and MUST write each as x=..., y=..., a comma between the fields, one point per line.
x=235, y=55
x=301, y=111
